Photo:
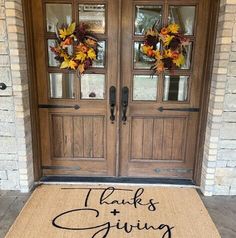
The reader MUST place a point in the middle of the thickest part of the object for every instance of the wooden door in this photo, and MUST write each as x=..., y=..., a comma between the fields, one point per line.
x=160, y=135
x=77, y=136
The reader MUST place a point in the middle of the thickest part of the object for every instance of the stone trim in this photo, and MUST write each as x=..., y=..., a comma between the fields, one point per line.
x=218, y=161
x=18, y=146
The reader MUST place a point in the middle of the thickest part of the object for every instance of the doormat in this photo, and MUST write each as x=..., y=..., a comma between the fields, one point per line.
x=56, y=211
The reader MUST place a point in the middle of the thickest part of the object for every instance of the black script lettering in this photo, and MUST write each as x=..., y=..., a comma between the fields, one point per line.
x=104, y=229
x=135, y=201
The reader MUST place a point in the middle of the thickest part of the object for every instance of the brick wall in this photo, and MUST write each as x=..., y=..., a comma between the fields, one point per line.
x=16, y=166
x=219, y=165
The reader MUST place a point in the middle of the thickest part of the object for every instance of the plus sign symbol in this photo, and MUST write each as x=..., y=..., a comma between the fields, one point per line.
x=115, y=212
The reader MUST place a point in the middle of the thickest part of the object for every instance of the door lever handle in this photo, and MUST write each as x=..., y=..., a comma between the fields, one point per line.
x=125, y=102
x=112, y=103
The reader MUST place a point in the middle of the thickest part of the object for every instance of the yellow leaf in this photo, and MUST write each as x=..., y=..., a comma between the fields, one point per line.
x=71, y=29
x=146, y=48
x=168, y=53
x=158, y=55
x=81, y=68
x=173, y=28
x=91, y=54
x=67, y=31
x=151, y=32
x=63, y=33
x=65, y=64
x=80, y=56
x=167, y=40
x=73, y=64
x=179, y=61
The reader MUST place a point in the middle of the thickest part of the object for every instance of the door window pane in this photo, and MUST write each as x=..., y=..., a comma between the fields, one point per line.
x=188, y=56
x=146, y=17
x=100, y=61
x=93, y=86
x=94, y=16
x=184, y=16
x=61, y=85
x=145, y=87
x=142, y=61
x=57, y=14
x=176, y=88
x=51, y=56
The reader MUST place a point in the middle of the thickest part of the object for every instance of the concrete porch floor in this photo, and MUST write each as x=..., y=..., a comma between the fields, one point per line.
x=221, y=208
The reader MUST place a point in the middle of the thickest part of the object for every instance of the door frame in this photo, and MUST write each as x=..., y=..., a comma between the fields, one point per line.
x=207, y=75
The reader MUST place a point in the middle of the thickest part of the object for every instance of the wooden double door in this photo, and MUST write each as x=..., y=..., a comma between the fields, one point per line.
x=154, y=131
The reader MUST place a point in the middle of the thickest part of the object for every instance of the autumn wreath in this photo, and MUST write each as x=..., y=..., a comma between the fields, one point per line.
x=76, y=47
x=171, y=52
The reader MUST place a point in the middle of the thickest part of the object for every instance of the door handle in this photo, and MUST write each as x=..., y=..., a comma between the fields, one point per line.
x=3, y=86
x=112, y=102
x=125, y=102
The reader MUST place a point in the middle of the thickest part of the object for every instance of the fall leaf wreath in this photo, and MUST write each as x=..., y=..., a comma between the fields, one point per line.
x=76, y=47
x=172, y=51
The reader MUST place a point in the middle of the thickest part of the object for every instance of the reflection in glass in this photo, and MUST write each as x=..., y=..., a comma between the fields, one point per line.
x=184, y=16
x=145, y=87
x=146, y=17
x=51, y=56
x=94, y=16
x=141, y=61
x=61, y=85
x=100, y=61
x=188, y=56
x=57, y=14
x=93, y=86
x=176, y=88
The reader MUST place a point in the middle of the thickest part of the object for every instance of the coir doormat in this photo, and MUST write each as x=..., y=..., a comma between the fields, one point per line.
x=56, y=211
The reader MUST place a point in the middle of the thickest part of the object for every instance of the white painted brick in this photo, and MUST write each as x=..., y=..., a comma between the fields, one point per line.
x=230, y=2
x=3, y=175
x=7, y=145
x=232, y=69
x=231, y=85
x=227, y=144
x=3, y=47
x=221, y=190
x=221, y=164
x=206, y=193
x=4, y=60
x=6, y=103
x=227, y=155
x=225, y=181
x=6, y=116
x=3, y=35
x=222, y=172
x=5, y=76
x=232, y=191
x=9, y=165
x=7, y=129
x=229, y=116
x=8, y=157
x=10, y=184
x=231, y=164
x=209, y=182
x=228, y=131
x=230, y=104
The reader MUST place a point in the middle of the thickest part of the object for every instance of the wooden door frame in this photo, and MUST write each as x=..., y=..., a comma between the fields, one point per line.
x=207, y=75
